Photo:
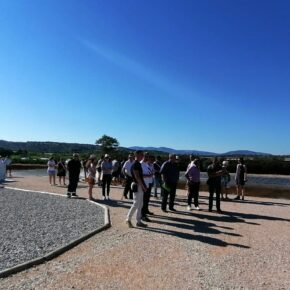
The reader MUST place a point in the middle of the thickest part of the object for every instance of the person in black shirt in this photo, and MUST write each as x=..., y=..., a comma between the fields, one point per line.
x=170, y=176
x=139, y=187
x=74, y=169
x=215, y=173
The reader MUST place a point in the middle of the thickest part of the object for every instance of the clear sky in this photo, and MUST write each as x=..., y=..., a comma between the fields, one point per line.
x=210, y=75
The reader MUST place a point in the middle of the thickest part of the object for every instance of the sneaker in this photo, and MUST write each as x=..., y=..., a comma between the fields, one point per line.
x=146, y=219
x=196, y=208
x=188, y=207
x=140, y=224
x=108, y=198
x=129, y=224
x=219, y=211
x=74, y=195
x=68, y=195
x=164, y=210
x=172, y=209
x=104, y=198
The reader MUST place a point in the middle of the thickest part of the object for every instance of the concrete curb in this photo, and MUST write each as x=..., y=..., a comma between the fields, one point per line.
x=60, y=250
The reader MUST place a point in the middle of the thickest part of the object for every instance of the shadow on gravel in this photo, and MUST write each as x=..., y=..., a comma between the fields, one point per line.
x=116, y=203
x=247, y=201
x=204, y=239
x=254, y=216
x=187, y=226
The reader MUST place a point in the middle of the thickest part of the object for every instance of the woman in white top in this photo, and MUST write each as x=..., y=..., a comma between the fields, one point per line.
x=51, y=171
x=91, y=169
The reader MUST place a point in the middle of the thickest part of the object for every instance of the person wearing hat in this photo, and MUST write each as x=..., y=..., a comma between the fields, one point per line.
x=107, y=169
x=74, y=168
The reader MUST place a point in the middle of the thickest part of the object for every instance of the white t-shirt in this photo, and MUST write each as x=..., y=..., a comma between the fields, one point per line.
x=51, y=165
x=147, y=170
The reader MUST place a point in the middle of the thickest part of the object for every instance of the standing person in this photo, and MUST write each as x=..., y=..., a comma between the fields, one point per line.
x=51, y=170
x=214, y=172
x=99, y=170
x=139, y=188
x=8, y=166
x=147, y=170
x=170, y=176
x=115, y=172
x=107, y=168
x=91, y=169
x=193, y=176
x=74, y=168
x=157, y=176
x=126, y=170
x=61, y=171
x=226, y=178
x=241, y=178
x=2, y=170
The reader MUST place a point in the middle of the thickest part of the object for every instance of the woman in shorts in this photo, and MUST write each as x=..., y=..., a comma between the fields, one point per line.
x=241, y=178
x=225, y=180
x=91, y=174
x=51, y=171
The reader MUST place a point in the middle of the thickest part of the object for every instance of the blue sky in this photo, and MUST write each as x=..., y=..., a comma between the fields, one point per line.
x=208, y=75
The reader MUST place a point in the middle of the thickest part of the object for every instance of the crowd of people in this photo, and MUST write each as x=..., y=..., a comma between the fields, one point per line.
x=144, y=175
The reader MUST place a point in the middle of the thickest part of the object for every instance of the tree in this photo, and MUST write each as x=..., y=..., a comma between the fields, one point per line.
x=107, y=144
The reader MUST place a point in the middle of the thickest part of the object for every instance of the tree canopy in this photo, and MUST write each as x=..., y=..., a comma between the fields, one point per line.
x=107, y=144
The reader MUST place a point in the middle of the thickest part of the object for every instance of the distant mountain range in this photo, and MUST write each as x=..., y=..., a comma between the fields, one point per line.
x=47, y=147
x=202, y=153
x=60, y=147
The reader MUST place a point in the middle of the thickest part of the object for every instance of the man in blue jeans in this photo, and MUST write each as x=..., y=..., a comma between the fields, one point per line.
x=170, y=176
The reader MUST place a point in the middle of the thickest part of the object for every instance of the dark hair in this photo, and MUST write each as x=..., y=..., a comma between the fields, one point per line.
x=138, y=152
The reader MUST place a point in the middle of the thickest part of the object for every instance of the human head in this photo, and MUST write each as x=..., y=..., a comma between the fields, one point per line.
x=225, y=163
x=92, y=157
x=130, y=156
x=241, y=160
x=215, y=160
x=107, y=156
x=139, y=155
x=146, y=156
x=76, y=156
x=172, y=157
x=196, y=161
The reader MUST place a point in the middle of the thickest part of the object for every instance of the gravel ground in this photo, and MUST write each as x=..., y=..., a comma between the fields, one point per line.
x=34, y=224
x=248, y=247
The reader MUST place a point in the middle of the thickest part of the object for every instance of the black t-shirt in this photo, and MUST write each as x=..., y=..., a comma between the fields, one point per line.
x=137, y=167
x=214, y=180
x=74, y=167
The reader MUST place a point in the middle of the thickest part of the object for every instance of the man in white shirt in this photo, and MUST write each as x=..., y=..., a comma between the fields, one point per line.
x=126, y=170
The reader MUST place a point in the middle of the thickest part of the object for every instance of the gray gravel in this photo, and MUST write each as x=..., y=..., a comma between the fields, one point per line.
x=34, y=224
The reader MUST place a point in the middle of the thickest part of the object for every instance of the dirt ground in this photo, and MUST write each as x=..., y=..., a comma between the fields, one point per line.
x=246, y=247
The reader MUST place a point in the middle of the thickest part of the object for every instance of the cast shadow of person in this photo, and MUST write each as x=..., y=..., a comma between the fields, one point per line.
x=192, y=230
